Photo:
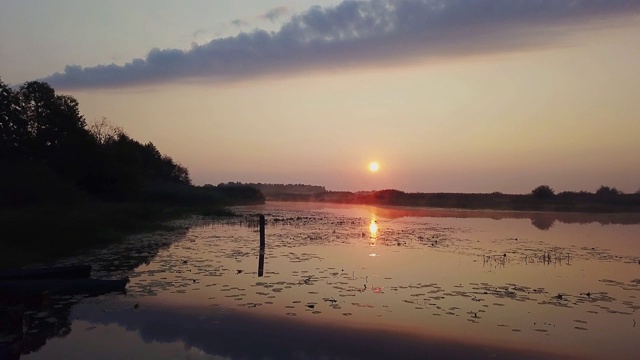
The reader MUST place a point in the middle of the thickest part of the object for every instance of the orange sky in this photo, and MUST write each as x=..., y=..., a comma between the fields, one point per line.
x=504, y=111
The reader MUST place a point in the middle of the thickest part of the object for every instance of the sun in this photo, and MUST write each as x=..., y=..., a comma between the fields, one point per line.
x=374, y=166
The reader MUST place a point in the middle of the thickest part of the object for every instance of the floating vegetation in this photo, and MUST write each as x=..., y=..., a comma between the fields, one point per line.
x=432, y=274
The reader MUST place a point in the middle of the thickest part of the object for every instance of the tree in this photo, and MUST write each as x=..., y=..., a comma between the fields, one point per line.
x=44, y=146
x=605, y=191
x=50, y=126
x=128, y=167
x=543, y=192
x=42, y=132
x=103, y=131
x=13, y=126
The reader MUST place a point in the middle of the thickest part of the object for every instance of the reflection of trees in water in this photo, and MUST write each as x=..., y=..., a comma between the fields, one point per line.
x=28, y=326
x=37, y=329
x=543, y=223
x=120, y=259
x=238, y=335
x=541, y=220
x=42, y=319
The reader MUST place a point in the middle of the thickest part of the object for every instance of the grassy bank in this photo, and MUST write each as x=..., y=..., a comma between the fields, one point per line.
x=44, y=216
x=45, y=233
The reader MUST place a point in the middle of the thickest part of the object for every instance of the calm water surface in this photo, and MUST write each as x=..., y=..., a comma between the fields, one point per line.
x=355, y=282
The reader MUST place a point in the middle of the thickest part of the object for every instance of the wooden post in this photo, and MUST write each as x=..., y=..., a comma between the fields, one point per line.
x=262, y=225
x=262, y=246
x=261, y=262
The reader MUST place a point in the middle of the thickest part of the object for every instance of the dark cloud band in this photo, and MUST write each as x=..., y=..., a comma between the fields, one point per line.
x=355, y=33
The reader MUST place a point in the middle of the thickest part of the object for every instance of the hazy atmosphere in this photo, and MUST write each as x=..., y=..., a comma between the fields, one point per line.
x=447, y=96
x=319, y=179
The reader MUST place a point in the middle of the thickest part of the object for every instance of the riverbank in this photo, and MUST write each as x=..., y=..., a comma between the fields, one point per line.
x=563, y=202
x=45, y=233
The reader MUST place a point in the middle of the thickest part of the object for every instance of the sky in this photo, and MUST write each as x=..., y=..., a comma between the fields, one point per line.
x=447, y=95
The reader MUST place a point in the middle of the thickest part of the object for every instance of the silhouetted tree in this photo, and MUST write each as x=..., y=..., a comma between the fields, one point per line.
x=44, y=146
x=128, y=167
x=53, y=122
x=104, y=131
x=543, y=192
x=605, y=191
x=13, y=126
x=45, y=140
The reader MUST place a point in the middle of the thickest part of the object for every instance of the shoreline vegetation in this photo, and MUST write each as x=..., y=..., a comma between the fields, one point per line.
x=67, y=186
x=543, y=198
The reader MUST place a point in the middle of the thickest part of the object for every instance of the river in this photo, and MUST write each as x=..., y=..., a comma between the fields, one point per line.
x=360, y=282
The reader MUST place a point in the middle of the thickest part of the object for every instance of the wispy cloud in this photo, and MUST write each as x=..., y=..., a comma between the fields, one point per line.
x=359, y=32
x=276, y=13
x=240, y=23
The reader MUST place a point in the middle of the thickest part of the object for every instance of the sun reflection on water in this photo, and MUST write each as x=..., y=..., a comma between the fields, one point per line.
x=373, y=230
x=373, y=233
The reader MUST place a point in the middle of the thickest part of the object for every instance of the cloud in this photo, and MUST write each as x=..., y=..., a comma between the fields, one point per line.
x=199, y=32
x=240, y=23
x=276, y=13
x=357, y=33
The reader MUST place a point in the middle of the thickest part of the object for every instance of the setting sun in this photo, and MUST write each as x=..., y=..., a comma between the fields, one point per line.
x=374, y=166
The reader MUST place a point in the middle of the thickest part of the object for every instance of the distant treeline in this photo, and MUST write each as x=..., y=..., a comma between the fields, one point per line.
x=542, y=198
x=275, y=190
x=579, y=202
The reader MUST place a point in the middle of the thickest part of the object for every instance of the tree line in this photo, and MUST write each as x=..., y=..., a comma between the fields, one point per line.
x=543, y=198
x=277, y=189
x=603, y=192
x=49, y=154
x=66, y=185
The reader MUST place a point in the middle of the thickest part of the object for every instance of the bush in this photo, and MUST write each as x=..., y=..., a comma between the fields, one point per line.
x=543, y=192
x=605, y=191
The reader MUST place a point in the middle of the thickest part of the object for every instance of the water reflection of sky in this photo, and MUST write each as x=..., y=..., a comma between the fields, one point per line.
x=204, y=334
x=436, y=285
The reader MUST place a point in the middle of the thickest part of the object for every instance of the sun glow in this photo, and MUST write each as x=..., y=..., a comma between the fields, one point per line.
x=373, y=227
x=374, y=166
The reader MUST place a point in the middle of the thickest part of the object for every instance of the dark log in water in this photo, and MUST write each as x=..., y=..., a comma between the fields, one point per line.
x=63, y=272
